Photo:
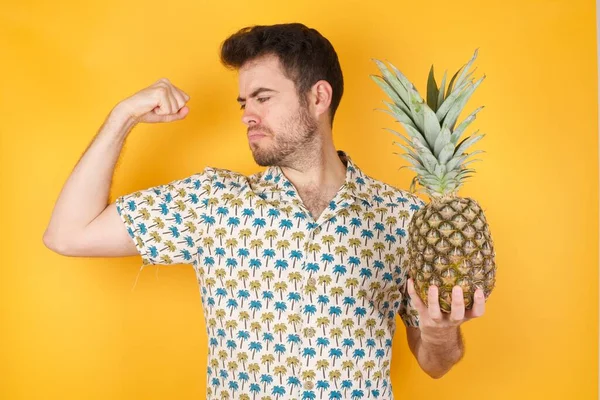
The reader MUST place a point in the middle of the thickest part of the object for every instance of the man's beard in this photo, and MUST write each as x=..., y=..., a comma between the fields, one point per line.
x=296, y=136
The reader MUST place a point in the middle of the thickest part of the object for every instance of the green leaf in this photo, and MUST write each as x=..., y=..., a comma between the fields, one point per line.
x=421, y=147
x=432, y=90
x=450, y=175
x=415, y=162
x=404, y=112
x=464, y=174
x=456, y=134
x=441, y=91
x=407, y=84
x=417, y=109
x=445, y=107
x=401, y=136
x=415, y=101
x=456, y=161
x=387, y=89
x=466, y=69
x=420, y=171
x=397, y=116
x=414, y=133
x=407, y=150
x=467, y=77
x=393, y=81
x=459, y=104
x=450, y=86
x=439, y=171
x=431, y=126
x=442, y=140
x=465, y=144
x=471, y=161
x=446, y=153
x=471, y=154
x=428, y=160
x=430, y=181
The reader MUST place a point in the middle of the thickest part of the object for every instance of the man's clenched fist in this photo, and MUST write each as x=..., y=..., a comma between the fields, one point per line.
x=160, y=102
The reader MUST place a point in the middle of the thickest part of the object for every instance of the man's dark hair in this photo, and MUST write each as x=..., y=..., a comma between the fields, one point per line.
x=305, y=55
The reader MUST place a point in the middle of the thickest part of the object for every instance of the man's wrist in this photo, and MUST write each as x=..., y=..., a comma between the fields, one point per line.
x=120, y=122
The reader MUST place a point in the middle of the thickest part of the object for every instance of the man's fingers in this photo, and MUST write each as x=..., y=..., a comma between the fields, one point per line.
x=478, y=305
x=185, y=96
x=434, y=304
x=171, y=98
x=154, y=118
x=179, y=97
x=457, y=313
x=165, y=103
x=181, y=114
x=185, y=110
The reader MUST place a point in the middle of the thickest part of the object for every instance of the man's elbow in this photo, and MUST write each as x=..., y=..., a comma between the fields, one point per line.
x=56, y=244
x=438, y=370
x=436, y=374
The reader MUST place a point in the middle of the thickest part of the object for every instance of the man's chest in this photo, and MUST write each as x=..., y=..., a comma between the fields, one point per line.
x=269, y=251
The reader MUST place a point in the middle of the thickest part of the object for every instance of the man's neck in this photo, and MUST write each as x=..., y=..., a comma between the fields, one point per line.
x=318, y=179
x=321, y=170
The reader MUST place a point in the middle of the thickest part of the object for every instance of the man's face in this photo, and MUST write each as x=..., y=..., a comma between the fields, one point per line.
x=280, y=126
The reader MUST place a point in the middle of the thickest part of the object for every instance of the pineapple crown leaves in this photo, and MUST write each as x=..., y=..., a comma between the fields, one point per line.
x=432, y=145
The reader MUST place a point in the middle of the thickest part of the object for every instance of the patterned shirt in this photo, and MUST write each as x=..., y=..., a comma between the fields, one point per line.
x=294, y=308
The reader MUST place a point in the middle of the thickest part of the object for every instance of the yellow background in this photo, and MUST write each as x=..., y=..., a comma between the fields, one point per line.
x=74, y=329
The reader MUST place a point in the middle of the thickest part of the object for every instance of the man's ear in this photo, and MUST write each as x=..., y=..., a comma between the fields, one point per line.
x=320, y=98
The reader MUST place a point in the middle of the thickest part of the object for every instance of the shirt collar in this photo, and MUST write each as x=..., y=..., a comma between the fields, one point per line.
x=273, y=184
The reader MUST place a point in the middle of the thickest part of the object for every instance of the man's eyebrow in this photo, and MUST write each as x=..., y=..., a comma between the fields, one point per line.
x=256, y=93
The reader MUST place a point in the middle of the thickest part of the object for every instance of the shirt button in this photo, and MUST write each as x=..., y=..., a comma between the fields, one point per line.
x=312, y=281
x=317, y=230
x=308, y=385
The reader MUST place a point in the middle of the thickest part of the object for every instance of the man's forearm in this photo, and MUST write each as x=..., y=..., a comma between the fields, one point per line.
x=436, y=355
x=86, y=191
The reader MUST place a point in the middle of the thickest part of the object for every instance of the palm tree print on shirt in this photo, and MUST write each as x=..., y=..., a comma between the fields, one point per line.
x=295, y=308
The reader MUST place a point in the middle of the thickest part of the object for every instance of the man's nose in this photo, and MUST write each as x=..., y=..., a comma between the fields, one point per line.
x=249, y=117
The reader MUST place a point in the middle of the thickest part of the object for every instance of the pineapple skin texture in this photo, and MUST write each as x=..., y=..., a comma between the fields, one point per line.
x=449, y=243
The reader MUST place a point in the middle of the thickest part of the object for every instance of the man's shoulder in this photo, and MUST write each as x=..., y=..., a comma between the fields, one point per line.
x=205, y=181
x=222, y=173
x=380, y=189
x=225, y=173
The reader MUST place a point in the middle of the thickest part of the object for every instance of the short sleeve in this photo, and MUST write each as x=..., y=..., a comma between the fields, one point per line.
x=164, y=222
x=407, y=312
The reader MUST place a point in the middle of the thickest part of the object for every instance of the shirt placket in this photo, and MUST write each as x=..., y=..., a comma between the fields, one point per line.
x=307, y=279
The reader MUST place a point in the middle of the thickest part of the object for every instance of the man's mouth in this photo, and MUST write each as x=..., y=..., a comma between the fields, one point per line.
x=256, y=135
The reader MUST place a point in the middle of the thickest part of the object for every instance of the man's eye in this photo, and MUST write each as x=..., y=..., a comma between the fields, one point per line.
x=259, y=99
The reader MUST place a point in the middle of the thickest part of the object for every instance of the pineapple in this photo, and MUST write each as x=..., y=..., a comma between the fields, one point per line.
x=449, y=241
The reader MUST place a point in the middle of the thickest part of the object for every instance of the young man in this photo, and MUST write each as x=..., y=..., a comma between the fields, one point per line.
x=301, y=266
